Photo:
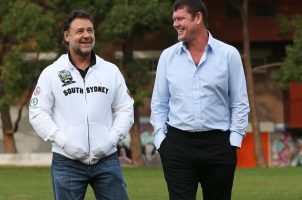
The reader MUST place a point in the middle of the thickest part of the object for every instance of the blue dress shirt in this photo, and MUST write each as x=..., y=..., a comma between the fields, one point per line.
x=211, y=95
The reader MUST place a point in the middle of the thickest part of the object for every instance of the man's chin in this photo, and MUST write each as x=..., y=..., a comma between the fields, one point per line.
x=84, y=53
x=181, y=39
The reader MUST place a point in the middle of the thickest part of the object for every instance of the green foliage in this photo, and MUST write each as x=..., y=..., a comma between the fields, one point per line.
x=18, y=75
x=134, y=18
x=130, y=19
x=25, y=27
x=96, y=8
x=11, y=78
x=137, y=76
x=27, y=22
x=292, y=24
x=291, y=68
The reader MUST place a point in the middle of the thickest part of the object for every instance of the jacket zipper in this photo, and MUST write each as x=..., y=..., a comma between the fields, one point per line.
x=88, y=138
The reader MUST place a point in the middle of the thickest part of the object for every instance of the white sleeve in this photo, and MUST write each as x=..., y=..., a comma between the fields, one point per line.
x=122, y=110
x=40, y=112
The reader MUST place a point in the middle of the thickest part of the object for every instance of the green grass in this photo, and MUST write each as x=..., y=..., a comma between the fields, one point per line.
x=149, y=184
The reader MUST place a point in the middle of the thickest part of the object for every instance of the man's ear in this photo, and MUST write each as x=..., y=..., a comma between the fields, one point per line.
x=198, y=17
x=66, y=36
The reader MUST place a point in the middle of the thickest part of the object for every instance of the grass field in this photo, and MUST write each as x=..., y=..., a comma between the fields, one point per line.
x=149, y=184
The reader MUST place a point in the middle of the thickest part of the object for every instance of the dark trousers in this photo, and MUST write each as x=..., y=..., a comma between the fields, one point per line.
x=201, y=157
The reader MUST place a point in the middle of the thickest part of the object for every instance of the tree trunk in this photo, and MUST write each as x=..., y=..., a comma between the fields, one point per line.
x=9, y=145
x=259, y=153
x=128, y=50
x=136, y=147
x=136, y=151
x=8, y=132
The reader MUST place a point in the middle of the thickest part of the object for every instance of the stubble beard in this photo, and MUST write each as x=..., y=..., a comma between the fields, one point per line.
x=81, y=53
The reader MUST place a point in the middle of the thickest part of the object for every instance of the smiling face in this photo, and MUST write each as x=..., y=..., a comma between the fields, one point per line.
x=80, y=37
x=187, y=26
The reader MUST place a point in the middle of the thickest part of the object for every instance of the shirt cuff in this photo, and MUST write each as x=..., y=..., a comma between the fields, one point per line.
x=158, y=140
x=236, y=139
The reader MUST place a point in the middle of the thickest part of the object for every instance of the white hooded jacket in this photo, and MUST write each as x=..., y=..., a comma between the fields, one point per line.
x=83, y=118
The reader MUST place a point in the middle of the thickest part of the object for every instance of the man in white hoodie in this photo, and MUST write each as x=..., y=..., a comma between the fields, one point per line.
x=81, y=105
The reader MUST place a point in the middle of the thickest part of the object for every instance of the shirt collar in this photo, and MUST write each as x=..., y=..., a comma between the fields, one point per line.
x=92, y=61
x=182, y=47
x=211, y=42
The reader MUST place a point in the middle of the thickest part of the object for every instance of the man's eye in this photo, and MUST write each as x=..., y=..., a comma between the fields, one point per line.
x=178, y=19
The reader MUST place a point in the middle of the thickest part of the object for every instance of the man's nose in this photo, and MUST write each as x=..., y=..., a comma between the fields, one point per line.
x=86, y=34
x=175, y=23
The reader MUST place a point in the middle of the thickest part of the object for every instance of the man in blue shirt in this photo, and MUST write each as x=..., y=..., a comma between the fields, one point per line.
x=199, y=108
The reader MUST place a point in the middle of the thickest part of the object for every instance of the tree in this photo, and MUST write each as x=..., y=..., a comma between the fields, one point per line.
x=24, y=28
x=242, y=5
x=291, y=67
x=129, y=19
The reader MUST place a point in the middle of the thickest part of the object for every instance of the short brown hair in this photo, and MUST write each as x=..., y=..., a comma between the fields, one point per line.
x=193, y=7
x=74, y=15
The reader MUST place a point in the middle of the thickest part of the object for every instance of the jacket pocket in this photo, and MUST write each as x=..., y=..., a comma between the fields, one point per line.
x=76, y=144
x=101, y=142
